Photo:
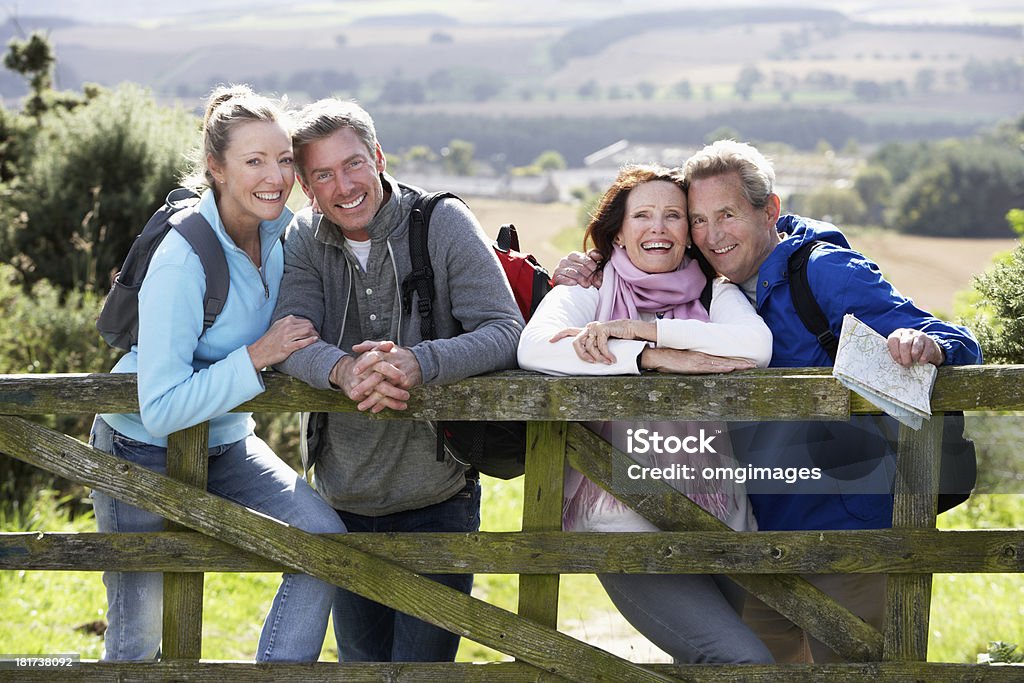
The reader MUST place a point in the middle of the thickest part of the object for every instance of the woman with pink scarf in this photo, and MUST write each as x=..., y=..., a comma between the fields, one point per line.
x=647, y=315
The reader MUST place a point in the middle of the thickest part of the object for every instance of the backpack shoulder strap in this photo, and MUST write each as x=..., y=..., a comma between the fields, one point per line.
x=421, y=279
x=200, y=236
x=806, y=305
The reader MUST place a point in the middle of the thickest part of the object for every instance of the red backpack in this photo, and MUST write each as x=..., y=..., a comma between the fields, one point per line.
x=494, y=448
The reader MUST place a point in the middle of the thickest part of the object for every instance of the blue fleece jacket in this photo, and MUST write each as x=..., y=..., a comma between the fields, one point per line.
x=843, y=281
x=186, y=376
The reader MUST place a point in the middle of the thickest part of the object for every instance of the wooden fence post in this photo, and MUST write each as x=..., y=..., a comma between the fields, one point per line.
x=183, y=593
x=908, y=596
x=542, y=511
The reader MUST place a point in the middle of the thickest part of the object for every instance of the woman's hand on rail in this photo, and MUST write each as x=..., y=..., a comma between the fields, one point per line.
x=690, y=362
x=591, y=342
x=285, y=337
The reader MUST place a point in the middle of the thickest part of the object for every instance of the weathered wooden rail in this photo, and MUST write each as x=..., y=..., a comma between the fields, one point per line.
x=388, y=568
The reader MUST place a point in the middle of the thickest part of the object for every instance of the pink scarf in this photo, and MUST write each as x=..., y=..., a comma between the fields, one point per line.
x=626, y=292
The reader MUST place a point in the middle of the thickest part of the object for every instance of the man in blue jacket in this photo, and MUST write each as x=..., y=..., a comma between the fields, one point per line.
x=736, y=221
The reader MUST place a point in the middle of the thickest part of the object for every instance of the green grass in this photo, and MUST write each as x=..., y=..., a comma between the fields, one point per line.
x=51, y=612
x=969, y=610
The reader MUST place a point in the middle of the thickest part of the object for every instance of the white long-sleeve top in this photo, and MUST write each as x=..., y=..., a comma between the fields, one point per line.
x=734, y=330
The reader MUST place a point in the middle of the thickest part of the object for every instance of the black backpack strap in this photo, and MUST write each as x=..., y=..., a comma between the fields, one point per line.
x=198, y=233
x=421, y=279
x=806, y=305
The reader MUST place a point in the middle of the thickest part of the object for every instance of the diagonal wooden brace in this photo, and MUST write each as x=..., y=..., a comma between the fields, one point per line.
x=670, y=510
x=318, y=556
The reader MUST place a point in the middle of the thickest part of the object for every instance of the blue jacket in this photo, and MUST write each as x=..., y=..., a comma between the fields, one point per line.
x=843, y=281
x=185, y=378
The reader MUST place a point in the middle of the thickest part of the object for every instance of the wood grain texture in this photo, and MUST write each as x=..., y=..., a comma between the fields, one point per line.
x=333, y=562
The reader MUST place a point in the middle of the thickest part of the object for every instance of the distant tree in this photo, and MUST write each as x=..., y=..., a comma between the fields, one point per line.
x=749, y=78
x=683, y=90
x=464, y=83
x=457, y=157
x=924, y=81
x=550, y=160
x=709, y=92
x=868, y=91
x=965, y=189
x=402, y=91
x=902, y=159
x=589, y=90
x=441, y=38
x=547, y=161
x=420, y=154
x=340, y=40
x=33, y=59
x=722, y=133
x=835, y=204
x=646, y=89
x=485, y=90
x=873, y=184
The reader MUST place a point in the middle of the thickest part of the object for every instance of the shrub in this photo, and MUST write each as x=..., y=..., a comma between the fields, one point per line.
x=94, y=176
x=46, y=331
x=998, y=318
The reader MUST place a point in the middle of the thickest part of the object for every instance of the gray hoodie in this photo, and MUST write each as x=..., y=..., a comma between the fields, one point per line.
x=376, y=467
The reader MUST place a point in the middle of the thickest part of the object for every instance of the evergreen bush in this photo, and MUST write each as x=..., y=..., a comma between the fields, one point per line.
x=94, y=176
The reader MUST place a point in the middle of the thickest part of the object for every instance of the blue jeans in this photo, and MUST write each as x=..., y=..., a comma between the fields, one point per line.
x=367, y=631
x=246, y=472
x=693, y=617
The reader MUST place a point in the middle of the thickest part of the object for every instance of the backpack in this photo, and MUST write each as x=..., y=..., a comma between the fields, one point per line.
x=494, y=448
x=118, y=321
x=958, y=468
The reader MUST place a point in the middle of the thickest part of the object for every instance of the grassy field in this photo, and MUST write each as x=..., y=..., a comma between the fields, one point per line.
x=40, y=616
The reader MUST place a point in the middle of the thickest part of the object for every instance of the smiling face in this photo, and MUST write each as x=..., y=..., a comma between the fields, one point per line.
x=735, y=236
x=343, y=175
x=654, y=229
x=255, y=176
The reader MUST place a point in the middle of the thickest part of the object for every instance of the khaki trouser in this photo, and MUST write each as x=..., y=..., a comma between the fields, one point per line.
x=862, y=594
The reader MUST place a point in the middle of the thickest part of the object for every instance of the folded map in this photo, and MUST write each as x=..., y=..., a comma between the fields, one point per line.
x=863, y=365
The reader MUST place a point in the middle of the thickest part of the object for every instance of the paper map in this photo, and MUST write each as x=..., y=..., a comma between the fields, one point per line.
x=863, y=365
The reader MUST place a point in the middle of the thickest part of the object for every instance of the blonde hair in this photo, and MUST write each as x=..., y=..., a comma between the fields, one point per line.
x=226, y=108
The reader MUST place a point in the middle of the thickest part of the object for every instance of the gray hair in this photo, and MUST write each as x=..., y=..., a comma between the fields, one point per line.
x=227, y=108
x=323, y=118
x=757, y=176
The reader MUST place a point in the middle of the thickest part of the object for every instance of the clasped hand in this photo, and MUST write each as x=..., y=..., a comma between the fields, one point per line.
x=591, y=342
x=379, y=376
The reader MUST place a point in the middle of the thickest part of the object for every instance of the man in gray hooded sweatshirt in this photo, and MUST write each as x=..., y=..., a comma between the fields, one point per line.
x=343, y=272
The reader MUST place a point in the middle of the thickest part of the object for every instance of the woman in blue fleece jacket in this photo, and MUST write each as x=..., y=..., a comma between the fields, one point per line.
x=187, y=376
